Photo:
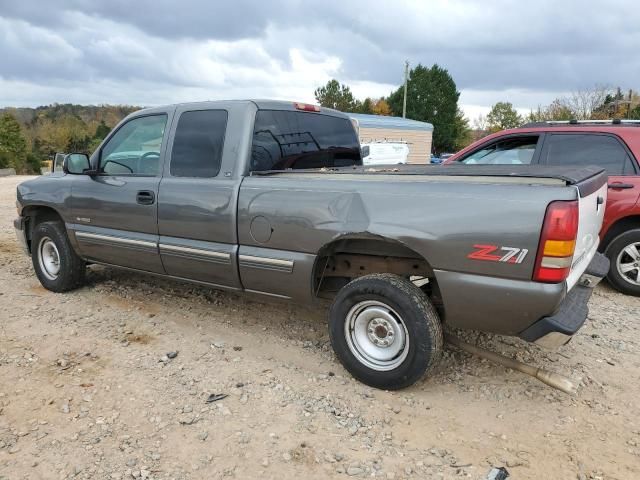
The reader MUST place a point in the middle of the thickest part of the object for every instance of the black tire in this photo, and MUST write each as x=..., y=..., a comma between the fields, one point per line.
x=404, y=302
x=70, y=267
x=615, y=253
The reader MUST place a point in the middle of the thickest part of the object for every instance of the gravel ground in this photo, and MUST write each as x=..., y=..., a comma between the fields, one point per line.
x=87, y=390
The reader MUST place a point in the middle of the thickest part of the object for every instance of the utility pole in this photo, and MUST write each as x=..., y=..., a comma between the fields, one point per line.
x=406, y=79
x=617, y=104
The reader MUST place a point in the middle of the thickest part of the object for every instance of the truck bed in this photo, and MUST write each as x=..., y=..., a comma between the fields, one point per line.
x=587, y=179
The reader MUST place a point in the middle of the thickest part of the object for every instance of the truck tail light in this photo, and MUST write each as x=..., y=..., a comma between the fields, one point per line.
x=557, y=242
x=306, y=107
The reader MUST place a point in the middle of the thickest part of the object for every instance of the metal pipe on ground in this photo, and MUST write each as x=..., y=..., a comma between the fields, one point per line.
x=555, y=380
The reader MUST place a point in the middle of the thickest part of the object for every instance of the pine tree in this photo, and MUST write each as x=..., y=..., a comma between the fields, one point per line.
x=432, y=97
x=503, y=116
x=337, y=96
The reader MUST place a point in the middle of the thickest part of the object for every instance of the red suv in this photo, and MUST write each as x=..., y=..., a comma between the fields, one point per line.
x=613, y=145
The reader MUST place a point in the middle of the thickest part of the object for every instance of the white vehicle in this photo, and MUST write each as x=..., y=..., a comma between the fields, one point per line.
x=386, y=153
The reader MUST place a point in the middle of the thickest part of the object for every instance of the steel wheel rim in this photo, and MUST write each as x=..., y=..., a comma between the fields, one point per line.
x=48, y=258
x=628, y=263
x=376, y=335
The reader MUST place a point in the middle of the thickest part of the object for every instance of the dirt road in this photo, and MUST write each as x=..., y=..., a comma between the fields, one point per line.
x=87, y=392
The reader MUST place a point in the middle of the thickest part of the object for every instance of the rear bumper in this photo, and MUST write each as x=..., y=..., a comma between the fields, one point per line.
x=557, y=329
x=21, y=234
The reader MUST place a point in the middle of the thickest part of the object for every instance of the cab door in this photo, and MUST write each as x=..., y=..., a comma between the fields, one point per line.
x=198, y=196
x=115, y=212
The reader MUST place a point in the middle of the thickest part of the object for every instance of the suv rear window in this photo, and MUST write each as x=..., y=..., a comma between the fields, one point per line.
x=284, y=139
x=591, y=149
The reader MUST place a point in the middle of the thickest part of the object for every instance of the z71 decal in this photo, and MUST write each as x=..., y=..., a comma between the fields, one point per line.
x=494, y=253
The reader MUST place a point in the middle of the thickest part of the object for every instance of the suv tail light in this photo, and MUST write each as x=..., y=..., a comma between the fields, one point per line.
x=557, y=242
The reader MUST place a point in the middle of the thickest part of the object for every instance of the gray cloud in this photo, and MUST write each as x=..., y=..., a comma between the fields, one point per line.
x=285, y=48
x=165, y=18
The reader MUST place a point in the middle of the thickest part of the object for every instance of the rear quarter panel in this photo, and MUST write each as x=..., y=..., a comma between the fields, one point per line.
x=439, y=219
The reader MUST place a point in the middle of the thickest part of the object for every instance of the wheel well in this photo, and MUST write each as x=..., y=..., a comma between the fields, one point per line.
x=351, y=257
x=619, y=227
x=36, y=214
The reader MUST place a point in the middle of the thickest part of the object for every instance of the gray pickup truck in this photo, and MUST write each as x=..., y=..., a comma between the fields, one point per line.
x=271, y=198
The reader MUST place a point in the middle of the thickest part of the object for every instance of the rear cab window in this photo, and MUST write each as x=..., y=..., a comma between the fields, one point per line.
x=519, y=150
x=601, y=150
x=198, y=143
x=284, y=139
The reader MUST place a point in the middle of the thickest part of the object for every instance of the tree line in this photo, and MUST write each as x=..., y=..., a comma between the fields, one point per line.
x=597, y=103
x=432, y=96
x=28, y=136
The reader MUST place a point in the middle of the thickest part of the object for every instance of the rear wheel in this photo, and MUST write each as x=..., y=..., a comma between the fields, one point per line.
x=385, y=331
x=624, y=254
x=57, y=266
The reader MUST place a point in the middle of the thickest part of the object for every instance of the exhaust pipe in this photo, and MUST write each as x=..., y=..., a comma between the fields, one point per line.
x=555, y=380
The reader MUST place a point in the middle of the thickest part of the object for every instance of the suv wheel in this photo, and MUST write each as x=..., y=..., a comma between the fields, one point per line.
x=57, y=266
x=385, y=331
x=624, y=254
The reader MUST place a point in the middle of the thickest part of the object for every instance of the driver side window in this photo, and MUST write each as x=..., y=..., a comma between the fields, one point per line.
x=135, y=148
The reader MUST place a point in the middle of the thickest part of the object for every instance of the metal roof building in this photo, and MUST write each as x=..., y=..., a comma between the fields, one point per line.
x=382, y=121
x=379, y=128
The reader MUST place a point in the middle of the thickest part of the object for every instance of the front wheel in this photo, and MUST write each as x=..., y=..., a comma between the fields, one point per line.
x=624, y=255
x=57, y=265
x=385, y=331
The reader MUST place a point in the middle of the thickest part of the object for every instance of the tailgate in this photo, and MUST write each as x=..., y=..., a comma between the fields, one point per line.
x=592, y=201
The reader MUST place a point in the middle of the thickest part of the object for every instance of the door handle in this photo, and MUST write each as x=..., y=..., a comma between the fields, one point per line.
x=620, y=186
x=146, y=197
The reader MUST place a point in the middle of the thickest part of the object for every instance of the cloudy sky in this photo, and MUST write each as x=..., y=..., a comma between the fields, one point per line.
x=149, y=52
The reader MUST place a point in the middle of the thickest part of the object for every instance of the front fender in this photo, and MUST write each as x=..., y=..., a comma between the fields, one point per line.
x=49, y=191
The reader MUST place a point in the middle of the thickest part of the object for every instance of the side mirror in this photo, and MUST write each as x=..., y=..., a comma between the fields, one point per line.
x=364, y=151
x=77, y=164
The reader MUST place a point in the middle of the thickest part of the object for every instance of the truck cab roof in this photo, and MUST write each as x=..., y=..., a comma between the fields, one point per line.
x=260, y=104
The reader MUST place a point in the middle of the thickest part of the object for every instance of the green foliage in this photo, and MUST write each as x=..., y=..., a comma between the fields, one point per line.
x=432, y=97
x=635, y=113
x=12, y=143
x=555, y=111
x=102, y=130
x=33, y=163
x=4, y=159
x=365, y=107
x=61, y=128
x=462, y=131
x=337, y=96
x=503, y=116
